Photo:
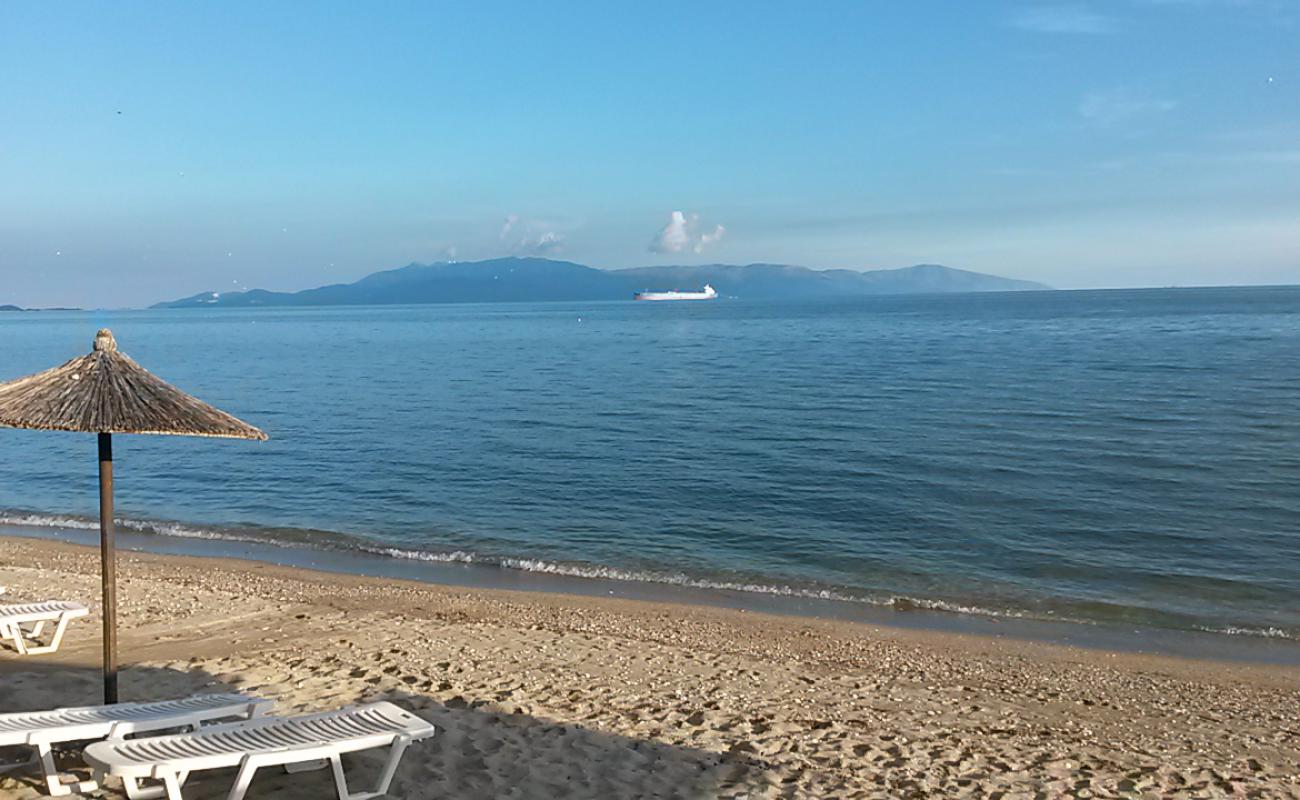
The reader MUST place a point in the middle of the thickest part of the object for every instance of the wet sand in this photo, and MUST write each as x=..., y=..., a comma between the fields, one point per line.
x=547, y=695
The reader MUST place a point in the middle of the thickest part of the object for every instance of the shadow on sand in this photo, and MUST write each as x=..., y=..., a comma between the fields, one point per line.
x=477, y=752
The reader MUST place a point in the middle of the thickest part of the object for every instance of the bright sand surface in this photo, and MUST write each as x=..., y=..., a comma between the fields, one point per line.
x=542, y=695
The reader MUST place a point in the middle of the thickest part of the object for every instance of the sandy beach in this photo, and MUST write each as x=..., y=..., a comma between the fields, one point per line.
x=539, y=695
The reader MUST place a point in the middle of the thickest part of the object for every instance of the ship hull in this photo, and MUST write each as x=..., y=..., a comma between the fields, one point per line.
x=707, y=294
x=656, y=298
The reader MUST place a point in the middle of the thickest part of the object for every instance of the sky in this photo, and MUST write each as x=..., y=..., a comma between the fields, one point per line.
x=152, y=151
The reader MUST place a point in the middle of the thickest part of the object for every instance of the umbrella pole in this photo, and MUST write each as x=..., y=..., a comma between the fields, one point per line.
x=108, y=565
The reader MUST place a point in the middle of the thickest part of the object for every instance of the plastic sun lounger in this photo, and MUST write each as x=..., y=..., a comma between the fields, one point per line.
x=42, y=729
x=267, y=742
x=59, y=612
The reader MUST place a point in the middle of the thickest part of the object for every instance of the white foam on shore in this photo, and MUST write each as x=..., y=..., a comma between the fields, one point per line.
x=903, y=603
x=455, y=557
x=1266, y=633
x=44, y=521
x=900, y=603
x=155, y=527
x=597, y=572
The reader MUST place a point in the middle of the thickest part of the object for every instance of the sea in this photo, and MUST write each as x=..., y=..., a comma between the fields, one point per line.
x=1118, y=462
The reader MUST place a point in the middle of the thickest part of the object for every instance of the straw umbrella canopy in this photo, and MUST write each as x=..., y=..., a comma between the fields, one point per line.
x=105, y=392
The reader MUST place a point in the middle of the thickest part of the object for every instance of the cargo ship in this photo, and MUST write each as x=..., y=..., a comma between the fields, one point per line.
x=709, y=293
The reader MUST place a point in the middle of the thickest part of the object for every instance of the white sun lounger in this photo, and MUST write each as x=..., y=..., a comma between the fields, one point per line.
x=37, y=615
x=42, y=729
x=265, y=742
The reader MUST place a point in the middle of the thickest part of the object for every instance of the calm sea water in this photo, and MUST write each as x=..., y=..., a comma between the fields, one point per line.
x=1120, y=456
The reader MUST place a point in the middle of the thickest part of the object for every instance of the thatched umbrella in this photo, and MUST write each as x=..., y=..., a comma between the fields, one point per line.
x=105, y=392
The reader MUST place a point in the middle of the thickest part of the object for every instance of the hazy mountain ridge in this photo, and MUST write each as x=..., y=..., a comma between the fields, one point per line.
x=540, y=279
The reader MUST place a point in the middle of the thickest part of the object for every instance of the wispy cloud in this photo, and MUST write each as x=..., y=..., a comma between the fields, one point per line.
x=1279, y=157
x=1275, y=12
x=1263, y=5
x=543, y=244
x=1114, y=107
x=683, y=234
x=507, y=226
x=1272, y=135
x=1066, y=19
x=529, y=237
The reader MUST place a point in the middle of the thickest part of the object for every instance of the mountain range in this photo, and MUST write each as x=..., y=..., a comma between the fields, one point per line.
x=541, y=279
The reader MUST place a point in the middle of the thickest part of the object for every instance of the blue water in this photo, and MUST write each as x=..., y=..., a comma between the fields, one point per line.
x=1112, y=457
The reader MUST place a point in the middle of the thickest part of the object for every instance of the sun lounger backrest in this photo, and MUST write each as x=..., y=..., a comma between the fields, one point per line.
x=352, y=728
x=98, y=721
x=32, y=612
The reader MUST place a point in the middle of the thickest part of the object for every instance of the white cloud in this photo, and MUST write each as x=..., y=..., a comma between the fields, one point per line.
x=672, y=238
x=707, y=239
x=1071, y=19
x=508, y=225
x=542, y=244
x=683, y=233
x=1117, y=106
x=529, y=237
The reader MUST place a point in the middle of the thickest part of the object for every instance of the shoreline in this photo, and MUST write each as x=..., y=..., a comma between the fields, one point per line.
x=539, y=694
x=60, y=553
x=1102, y=637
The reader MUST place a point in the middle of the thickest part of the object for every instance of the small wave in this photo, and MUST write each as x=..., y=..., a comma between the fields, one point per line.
x=154, y=527
x=45, y=521
x=597, y=572
x=900, y=603
x=345, y=543
x=458, y=556
x=674, y=579
x=1264, y=633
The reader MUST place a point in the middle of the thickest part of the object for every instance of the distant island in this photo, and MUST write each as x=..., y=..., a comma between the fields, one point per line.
x=20, y=308
x=540, y=279
x=11, y=308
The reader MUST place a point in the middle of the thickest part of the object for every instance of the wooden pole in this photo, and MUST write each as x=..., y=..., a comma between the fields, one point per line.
x=108, y=565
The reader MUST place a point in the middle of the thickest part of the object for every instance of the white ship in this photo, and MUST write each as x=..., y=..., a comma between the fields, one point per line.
x=709, y=293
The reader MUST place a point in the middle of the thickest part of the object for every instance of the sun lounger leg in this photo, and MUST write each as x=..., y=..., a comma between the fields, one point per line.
x=15, y=633
x=59, y=629
x=135, y=791
x=34, y=647
x=53, y=780
x=247, y=769
x=340, y=782
x=390, y=768
x=172, y=785
x=385, y=778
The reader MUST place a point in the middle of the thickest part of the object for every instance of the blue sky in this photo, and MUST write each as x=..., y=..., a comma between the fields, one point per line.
x=153, y=151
